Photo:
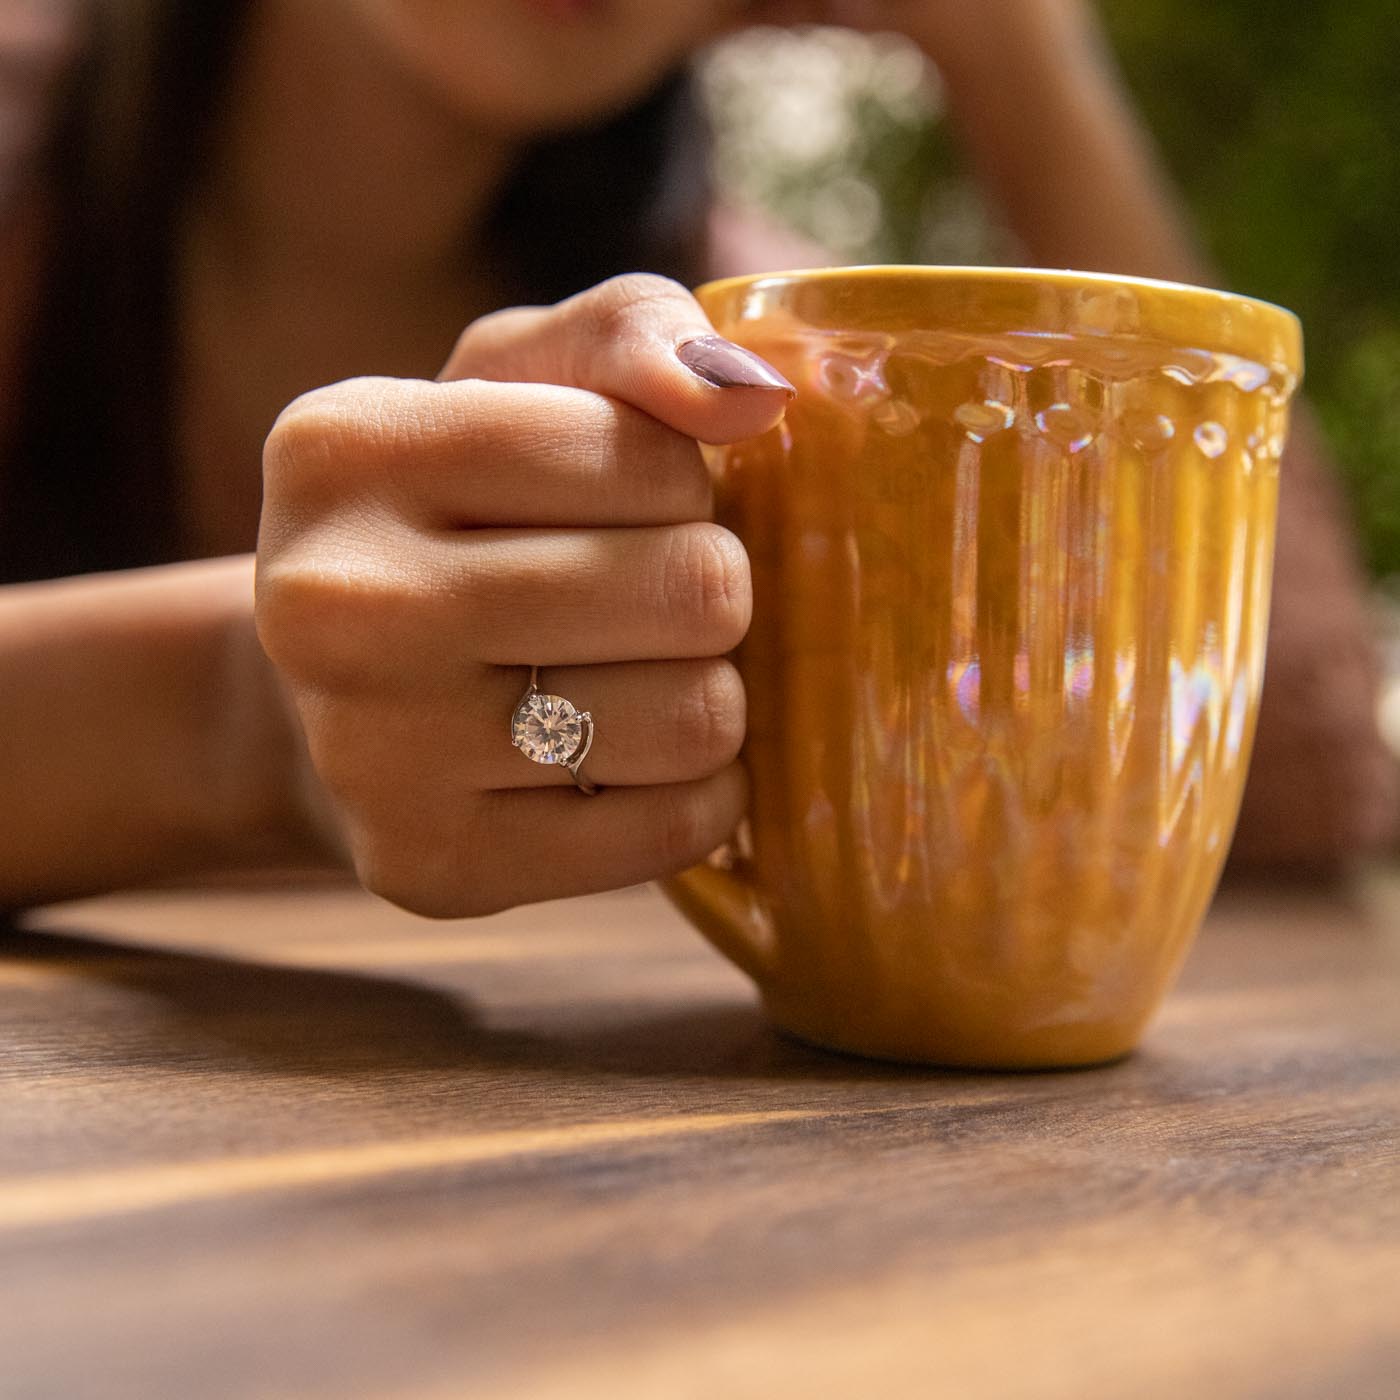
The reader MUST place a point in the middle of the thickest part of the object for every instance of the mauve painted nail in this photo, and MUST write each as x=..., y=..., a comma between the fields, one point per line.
x=728, y=366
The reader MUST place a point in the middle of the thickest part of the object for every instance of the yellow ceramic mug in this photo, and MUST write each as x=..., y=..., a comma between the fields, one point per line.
x=1011, y=555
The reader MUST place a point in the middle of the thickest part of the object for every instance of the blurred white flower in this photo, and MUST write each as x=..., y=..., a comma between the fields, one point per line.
x=792, y=110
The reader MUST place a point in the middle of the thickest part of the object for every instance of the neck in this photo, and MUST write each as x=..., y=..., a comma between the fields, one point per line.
x=333, y=163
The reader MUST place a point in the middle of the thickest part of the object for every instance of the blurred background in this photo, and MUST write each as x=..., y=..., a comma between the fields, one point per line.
x=1279, y=121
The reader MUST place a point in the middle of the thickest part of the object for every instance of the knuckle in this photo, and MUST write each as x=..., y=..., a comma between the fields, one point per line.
x=711, y=721
x=386, y=874
x=615, y=309
x=511, y=343
x=431, y=886
x=319, y=624
x=471, y=351
x=317, y=440
x=284, y=613
x=709, y=585
x=462, y=360
x=345, y=766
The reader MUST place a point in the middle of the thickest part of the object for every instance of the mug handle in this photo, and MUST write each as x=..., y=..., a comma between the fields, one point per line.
x=723, y=902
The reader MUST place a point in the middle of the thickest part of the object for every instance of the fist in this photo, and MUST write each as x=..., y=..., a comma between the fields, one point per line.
x=544, y=503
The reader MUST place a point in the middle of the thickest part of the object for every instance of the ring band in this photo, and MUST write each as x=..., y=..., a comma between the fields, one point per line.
x=548, y=729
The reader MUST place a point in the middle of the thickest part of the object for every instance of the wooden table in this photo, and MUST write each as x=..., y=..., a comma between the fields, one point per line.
x=271, y=1143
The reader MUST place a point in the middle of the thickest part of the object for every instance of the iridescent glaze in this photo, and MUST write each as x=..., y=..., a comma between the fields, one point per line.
x=1011, y=553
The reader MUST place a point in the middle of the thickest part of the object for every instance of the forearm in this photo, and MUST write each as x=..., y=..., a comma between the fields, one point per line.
x=140, y=736
x=1323, y=784
x=1046, y=123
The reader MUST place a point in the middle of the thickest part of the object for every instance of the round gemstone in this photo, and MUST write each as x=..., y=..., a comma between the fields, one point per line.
x=546, y=729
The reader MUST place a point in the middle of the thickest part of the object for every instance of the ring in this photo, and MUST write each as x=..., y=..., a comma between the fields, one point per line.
x=547, y=729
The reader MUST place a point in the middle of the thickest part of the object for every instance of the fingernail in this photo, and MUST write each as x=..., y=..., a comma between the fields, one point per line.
x=728, y=366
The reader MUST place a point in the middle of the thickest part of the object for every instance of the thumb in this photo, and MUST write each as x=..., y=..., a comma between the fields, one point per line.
x=638, y=338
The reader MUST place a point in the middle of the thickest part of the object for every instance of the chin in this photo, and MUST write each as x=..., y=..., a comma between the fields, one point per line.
x=531, y=67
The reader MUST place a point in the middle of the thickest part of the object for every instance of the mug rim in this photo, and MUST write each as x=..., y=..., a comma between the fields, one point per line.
x=1263, y=328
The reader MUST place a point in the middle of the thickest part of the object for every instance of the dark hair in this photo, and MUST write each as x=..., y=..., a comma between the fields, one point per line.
x=90, y=482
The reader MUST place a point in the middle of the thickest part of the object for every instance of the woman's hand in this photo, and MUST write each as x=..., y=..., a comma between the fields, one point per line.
x=544, y=503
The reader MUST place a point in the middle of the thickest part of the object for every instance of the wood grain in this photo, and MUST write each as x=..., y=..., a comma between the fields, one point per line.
x=269, y=1142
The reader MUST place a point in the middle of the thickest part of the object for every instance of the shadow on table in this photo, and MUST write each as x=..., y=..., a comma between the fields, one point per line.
x=212, y=1012
x=127, y=1003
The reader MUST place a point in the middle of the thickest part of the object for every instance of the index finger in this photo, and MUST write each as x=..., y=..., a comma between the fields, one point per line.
x=467, y=454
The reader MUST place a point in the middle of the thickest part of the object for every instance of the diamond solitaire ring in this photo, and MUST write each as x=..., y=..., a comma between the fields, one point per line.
x=547, y=729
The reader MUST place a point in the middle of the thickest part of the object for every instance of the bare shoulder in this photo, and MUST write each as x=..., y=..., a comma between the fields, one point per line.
x=744, y=240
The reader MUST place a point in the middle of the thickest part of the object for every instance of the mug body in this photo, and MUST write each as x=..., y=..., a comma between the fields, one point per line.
x=1011, y=556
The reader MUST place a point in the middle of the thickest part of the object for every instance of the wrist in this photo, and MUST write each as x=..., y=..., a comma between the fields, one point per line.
x=266, y=805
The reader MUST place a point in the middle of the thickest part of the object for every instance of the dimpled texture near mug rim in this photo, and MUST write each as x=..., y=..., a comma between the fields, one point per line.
x=1017, y=300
